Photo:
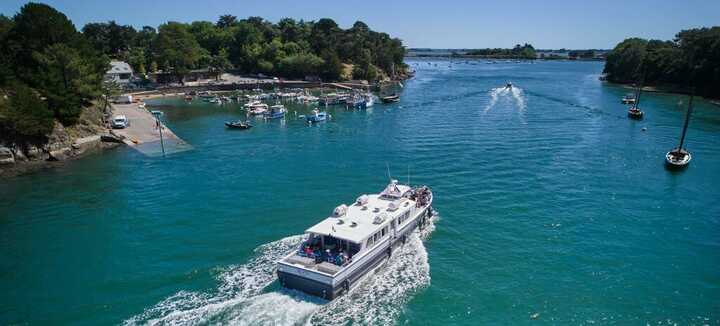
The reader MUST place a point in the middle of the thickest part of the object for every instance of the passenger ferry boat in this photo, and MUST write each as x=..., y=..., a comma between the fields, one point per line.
x=349, y=245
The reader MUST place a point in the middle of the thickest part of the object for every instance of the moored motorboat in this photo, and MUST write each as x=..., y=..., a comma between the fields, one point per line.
x=390, y=98
x=275, y=112
x=628, y=99
x=316, y=116
x=256, y=108
x=238, y=124
x=345, y=248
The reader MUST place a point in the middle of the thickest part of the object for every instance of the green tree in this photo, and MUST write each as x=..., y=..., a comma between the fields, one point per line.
x=24, y=117
x=6, y=71
x=178, y=48
x=69, y=80
x=624, y=61
x=226, y=21
x=300, y=65
x=219, y=63
x=36, y=27
x=332, y=67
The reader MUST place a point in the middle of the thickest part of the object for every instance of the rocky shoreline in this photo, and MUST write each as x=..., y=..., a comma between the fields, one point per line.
x=64, y=143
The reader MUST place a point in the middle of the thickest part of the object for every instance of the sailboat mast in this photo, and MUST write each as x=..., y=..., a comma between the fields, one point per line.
x=687, y=119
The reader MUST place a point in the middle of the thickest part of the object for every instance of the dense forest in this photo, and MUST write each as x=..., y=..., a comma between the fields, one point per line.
x=525, y=51
x=692, y=59
x=50, y=71
x=290, y=48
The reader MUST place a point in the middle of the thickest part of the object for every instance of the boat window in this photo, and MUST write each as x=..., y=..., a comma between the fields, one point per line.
x=354, y=248
x=376, y=237
x=369, y=242
x=384, y=231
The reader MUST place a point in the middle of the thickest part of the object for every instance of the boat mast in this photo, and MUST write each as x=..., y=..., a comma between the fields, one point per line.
x=687, y=119
x=692, y=94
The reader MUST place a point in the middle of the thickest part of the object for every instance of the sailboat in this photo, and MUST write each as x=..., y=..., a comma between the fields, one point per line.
x=634, y=112
x=679, y=157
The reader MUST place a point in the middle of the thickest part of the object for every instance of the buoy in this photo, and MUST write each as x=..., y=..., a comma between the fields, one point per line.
x=535, y=315
x=644, y=129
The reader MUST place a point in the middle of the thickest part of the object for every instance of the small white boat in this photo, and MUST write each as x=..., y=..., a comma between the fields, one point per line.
x=628, y=99
x=258, y=109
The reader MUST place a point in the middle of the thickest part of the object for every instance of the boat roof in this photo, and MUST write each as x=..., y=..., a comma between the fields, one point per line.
x=362, y=220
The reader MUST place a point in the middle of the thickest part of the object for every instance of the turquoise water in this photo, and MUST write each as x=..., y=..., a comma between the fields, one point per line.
x=552, y=204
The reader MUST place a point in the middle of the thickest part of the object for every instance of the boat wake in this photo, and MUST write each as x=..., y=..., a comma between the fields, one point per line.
x=242, y=297
x=514, y=93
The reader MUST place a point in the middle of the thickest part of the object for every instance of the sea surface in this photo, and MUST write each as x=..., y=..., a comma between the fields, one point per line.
x=553, y=208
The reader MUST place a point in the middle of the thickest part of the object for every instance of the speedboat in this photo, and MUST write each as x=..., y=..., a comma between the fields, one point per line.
x=316, y=116
x=275, y=112
x=238, y=124
x=628, y=99
x=508, y=86
x=677, y=158
x=344, y=249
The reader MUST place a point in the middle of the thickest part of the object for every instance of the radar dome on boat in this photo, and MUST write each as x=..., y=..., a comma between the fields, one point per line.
x=362, y=200
x=340, y=210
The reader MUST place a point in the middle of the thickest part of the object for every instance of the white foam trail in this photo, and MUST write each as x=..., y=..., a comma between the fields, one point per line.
x=237, y=284
x=240, y=299
x=517, y=94
x=514, y=92
x=494, y=94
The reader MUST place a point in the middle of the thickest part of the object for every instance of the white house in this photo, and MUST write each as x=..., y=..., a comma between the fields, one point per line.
x=120, y=72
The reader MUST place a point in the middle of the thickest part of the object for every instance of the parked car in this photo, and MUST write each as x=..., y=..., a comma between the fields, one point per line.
x=120, y=122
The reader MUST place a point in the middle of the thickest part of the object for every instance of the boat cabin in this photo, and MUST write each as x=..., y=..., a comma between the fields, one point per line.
x=354, y=230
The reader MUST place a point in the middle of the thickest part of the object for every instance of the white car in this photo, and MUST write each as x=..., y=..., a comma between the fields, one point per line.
x=120, y=122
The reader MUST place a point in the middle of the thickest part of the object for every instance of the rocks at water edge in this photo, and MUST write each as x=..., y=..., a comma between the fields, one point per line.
x=6, y=156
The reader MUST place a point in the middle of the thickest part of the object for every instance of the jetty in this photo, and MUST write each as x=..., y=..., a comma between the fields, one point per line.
x=146, y=133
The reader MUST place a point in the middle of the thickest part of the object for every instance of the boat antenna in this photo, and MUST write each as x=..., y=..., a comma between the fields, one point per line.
x=387, y=165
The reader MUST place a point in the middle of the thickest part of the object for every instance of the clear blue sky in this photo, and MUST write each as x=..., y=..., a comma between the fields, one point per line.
x=438, y=24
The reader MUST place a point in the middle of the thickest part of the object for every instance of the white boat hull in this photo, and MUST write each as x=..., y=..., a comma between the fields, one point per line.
x=330, y=287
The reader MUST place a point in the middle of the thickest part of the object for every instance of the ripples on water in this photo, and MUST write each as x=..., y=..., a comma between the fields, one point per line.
x=553, y=203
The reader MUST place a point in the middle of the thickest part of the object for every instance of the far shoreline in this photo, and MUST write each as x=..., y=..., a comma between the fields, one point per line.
x=664, y=89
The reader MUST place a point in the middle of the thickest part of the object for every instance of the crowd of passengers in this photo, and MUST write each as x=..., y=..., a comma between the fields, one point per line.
x=421, y=196
x=331, y=254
